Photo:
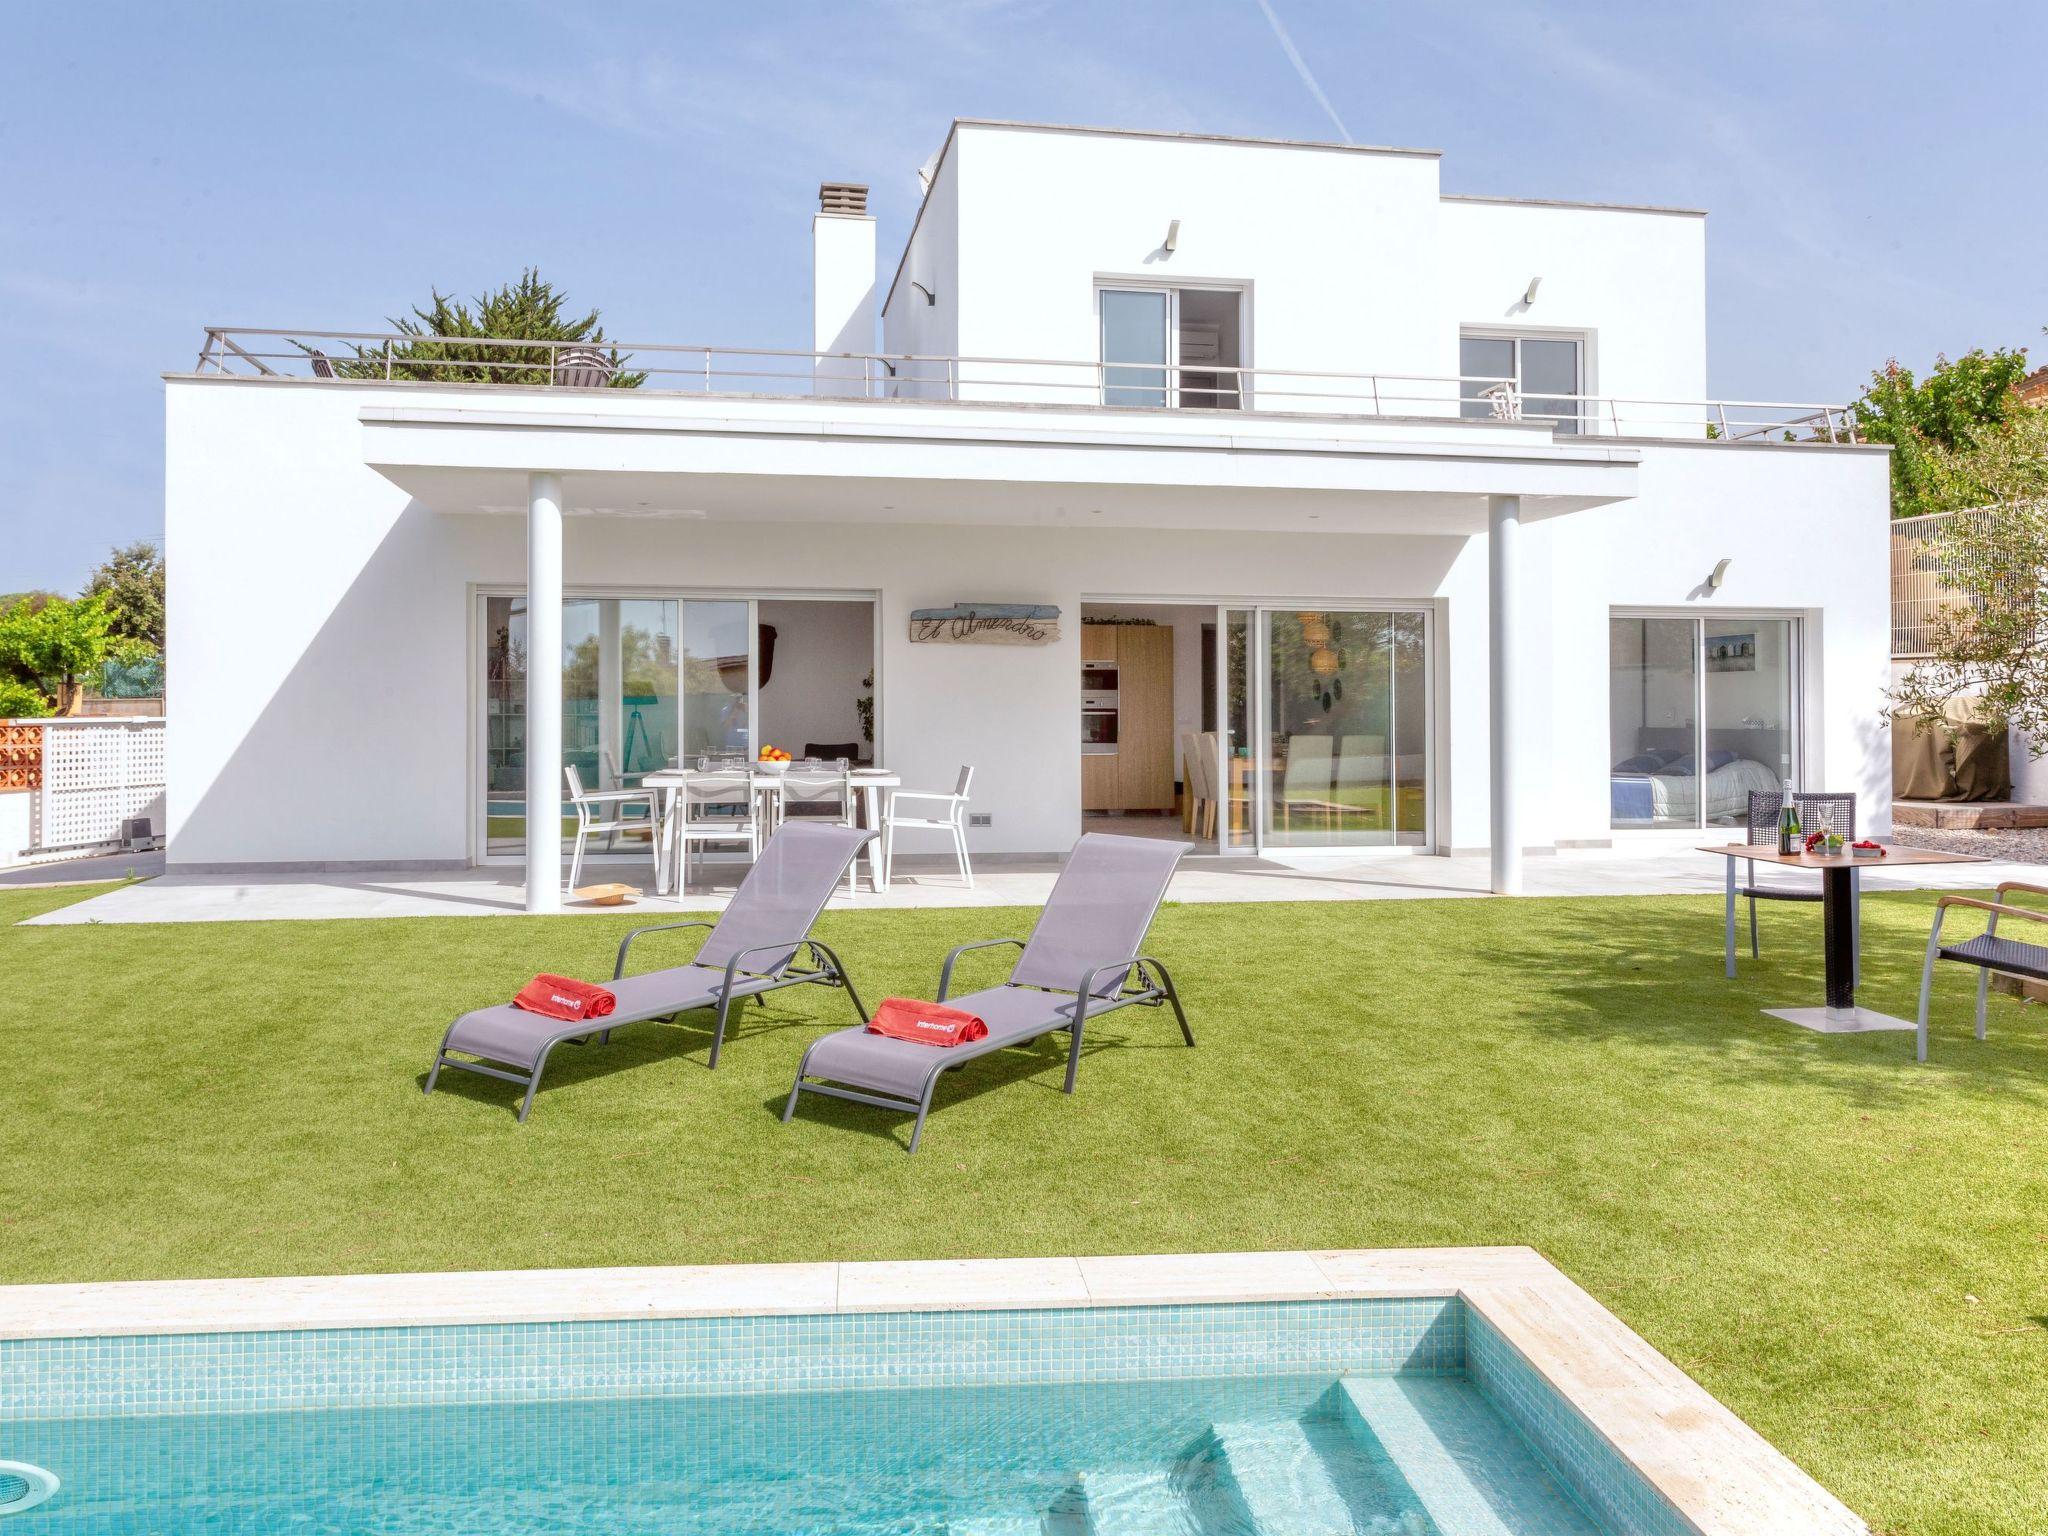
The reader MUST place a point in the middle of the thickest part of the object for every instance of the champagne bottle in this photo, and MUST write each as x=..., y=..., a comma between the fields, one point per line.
x=1788, y=823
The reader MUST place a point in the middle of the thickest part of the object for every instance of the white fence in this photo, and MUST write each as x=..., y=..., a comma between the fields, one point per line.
x=96, y=775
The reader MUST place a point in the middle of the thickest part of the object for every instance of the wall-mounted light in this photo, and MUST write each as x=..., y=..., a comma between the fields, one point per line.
x=929, y=297
x=1720, y=575
x=1529, y=293
x=1173, y=236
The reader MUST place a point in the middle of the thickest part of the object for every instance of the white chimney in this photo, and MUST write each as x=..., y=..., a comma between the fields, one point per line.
x=842, y=290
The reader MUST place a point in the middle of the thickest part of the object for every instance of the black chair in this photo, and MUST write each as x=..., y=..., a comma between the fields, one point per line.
x=1764, y=806
x=832, y=751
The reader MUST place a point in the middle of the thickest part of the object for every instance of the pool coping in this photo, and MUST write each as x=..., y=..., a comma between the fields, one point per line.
x=1721, y=1476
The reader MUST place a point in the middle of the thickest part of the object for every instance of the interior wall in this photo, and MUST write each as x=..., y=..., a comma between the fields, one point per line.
x=822, y=651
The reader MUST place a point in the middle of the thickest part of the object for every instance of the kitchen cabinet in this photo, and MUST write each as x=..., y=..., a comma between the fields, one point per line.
x=1138, y=775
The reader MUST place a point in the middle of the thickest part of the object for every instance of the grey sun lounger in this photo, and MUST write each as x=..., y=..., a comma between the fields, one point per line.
x=1083, y=960
x=751, y=949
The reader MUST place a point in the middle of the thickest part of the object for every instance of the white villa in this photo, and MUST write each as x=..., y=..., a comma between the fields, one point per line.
x=1381, y=517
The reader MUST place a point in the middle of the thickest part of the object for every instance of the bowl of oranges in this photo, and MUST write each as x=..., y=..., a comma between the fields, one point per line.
x=773, y=760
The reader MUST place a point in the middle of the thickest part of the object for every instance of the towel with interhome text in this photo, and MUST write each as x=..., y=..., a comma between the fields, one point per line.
x=905, y=1018
x=565, y=998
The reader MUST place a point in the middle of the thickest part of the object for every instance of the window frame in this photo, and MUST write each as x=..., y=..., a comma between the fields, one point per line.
x=1174, y=367
x=476, y=753
x=1796, y=659
x=1516, y=335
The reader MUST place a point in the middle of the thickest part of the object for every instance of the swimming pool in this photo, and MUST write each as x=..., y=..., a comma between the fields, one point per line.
x=1405, y=1415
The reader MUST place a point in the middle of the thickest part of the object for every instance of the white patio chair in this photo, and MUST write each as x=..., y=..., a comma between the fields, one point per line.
x=947, y=813
x=608, y=772
x=713, y=808
x=822, y=794
x=604, y=810
x=610, y=767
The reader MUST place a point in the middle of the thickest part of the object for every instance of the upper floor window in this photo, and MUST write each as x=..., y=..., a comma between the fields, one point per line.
x=1172, y=347
x=1546, y=373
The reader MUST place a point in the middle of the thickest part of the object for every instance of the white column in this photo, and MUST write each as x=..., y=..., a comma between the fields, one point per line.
x=1503, y=682
x=543, y=693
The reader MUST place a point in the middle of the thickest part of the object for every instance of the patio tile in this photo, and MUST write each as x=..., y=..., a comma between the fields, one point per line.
x=499, y=891
x=351, y=1301
x=1429, y=1271
x=959, y=1284
x=1144, y=1279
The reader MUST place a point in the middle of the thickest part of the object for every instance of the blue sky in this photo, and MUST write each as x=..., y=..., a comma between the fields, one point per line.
x=1874, y=172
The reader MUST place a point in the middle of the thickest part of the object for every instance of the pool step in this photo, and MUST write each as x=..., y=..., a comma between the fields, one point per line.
x=1133, y=1504
x=1470, y=1472
x=1283, y=1482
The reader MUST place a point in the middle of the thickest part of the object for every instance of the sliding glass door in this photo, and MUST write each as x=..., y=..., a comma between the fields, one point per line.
x=621, y=707
x=645, y=681
x=1702, y=712
x=719, y=668
x=1327, y=728
x=654, y=681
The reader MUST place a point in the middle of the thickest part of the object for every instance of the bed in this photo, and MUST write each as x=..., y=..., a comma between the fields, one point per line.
x=1661, y=781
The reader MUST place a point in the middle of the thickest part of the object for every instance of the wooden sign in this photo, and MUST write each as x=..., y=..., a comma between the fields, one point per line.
x=985, y=624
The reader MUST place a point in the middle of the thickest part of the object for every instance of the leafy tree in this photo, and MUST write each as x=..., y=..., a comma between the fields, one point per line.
x=1994, y=642
x=131, y=579
x=53, y=648
x=444, y=347
x=1950, y=411
x=20, y=701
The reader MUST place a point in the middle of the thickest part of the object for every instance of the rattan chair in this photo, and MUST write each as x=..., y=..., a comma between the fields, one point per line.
x=1764, y=806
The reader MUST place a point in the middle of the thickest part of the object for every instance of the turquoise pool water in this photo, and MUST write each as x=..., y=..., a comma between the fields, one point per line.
x=1400, y=1455
x=1398, y=1418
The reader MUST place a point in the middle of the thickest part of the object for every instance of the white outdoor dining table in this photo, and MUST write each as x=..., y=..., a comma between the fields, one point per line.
x=868, y=784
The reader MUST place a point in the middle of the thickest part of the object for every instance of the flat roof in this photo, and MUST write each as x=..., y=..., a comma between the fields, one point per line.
x=1566, y=202
x=1195, y=137
x=1257, y=141
x=953, y=128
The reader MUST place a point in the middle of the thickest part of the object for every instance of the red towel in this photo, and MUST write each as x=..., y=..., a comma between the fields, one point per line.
x=905, y=1018
x=564, y=997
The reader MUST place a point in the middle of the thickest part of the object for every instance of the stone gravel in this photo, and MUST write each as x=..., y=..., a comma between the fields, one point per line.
x=2026, y=845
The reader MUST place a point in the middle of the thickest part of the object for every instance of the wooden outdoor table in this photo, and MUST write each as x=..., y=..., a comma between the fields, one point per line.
x=1838, y=927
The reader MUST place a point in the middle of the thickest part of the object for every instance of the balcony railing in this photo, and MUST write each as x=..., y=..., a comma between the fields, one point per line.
x=1210, y=389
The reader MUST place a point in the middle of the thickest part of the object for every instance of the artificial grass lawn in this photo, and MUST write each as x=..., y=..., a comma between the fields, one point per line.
x=1849, y=1250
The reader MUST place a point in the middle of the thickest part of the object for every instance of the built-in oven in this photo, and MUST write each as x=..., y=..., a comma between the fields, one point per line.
x=1098, y=707
x=1098, y=724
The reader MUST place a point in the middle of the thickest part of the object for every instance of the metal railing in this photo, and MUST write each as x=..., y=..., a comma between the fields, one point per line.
x=666, y=368
x=1921, y=585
